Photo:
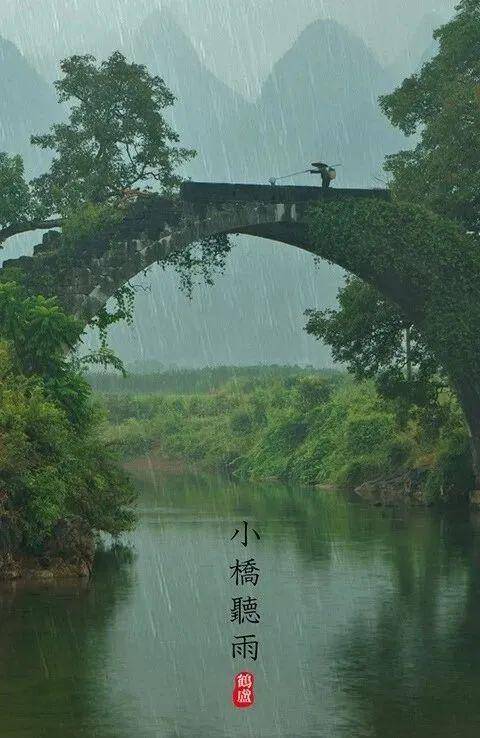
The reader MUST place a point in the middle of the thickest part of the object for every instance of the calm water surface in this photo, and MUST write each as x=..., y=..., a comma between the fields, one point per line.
x=370, y=623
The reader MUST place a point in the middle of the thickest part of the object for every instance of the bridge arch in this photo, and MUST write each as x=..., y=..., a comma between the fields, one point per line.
x=156, y=227
x=283, y=223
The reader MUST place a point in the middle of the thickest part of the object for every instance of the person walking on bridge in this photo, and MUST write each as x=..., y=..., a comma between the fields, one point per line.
x=326, y=172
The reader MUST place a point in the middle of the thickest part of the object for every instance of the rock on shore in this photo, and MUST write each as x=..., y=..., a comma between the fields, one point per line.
x=68, y=554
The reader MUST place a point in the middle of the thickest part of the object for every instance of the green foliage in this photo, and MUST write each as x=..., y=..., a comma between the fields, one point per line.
x=39, y=330
x=15, y=201
x=442, y=103
x=241, y=421
x=89, y=219
x=52, y=465
x=452, y=475
x=301, y=428
x=116, y=138
x=374, y=339
x=116, y=135
x=200, y=261
x=312, y=390
x=366, y=432
x=104, y=356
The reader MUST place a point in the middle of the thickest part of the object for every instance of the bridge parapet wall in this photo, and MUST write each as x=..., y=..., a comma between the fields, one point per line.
x=217, y=192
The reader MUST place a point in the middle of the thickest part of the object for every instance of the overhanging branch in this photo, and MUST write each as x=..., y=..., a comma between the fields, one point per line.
x=33, y=225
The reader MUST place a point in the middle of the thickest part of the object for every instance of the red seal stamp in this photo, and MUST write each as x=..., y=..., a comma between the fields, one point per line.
x=243, y=692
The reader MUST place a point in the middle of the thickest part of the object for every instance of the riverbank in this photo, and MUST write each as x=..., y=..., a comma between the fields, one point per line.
x=312, y=428
x=30, y=568
x=68, y=553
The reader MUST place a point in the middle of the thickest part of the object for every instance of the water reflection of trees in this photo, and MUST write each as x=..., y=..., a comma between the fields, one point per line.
x=408, y=665
x=53, y=649
x=308, y=518
x=311, y=520
x=413, y=669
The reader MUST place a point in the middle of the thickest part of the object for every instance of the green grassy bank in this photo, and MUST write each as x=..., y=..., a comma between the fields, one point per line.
x=297, y=425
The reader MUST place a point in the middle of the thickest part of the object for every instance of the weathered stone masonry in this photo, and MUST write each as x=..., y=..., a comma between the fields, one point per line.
x=156, y=226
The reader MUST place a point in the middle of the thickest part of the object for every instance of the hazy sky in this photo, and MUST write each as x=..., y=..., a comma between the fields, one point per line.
x=238, y=39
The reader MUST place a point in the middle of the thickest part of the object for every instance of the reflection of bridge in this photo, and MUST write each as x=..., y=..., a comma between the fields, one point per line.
x=156, y=226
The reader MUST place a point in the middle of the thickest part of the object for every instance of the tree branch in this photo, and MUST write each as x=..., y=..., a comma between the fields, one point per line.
x=33, y=225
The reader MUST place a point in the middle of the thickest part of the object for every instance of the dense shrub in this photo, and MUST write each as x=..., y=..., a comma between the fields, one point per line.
x=365, y=433
x=52, y=463
x=309, y=428
x=452, y=475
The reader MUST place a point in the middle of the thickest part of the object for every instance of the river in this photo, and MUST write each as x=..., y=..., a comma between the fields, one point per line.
x=370, y=623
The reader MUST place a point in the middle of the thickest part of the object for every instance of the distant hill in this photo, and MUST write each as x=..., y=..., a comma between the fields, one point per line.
x=321, y=102
x=204, y=104
x=27, y=105
x=422, y=47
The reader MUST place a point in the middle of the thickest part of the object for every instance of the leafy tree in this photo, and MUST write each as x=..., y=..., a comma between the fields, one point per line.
x=15, y=198
x=428, y=268
x=52, y=465
x=19, y=209
x=116, y=138
x=375, y=339
x=38, y=329
x=442, y=103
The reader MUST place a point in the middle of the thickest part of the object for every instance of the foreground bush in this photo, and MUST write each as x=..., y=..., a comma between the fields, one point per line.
x=53, y=466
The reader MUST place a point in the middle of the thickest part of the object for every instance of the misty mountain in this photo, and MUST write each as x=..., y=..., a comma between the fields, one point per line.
x=421, y=48
x=27, y=105
x=239, y=40
x=321, y=102
x=205, y=106
x=256, y=33
x=48, y=31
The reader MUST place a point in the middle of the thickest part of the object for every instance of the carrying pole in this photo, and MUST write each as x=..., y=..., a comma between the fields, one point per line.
x=274, y=180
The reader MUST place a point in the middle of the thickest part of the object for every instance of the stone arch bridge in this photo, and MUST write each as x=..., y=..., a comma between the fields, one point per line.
x=154, y=227
x=86, y=273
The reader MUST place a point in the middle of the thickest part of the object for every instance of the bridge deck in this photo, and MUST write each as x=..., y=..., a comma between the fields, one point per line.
x=216, y=192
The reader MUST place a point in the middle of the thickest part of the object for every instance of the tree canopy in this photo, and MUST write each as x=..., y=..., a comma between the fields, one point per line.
x=441, y=105
x=15, y=201
x=52, y=465
x=373, y=338
x=116, y=137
